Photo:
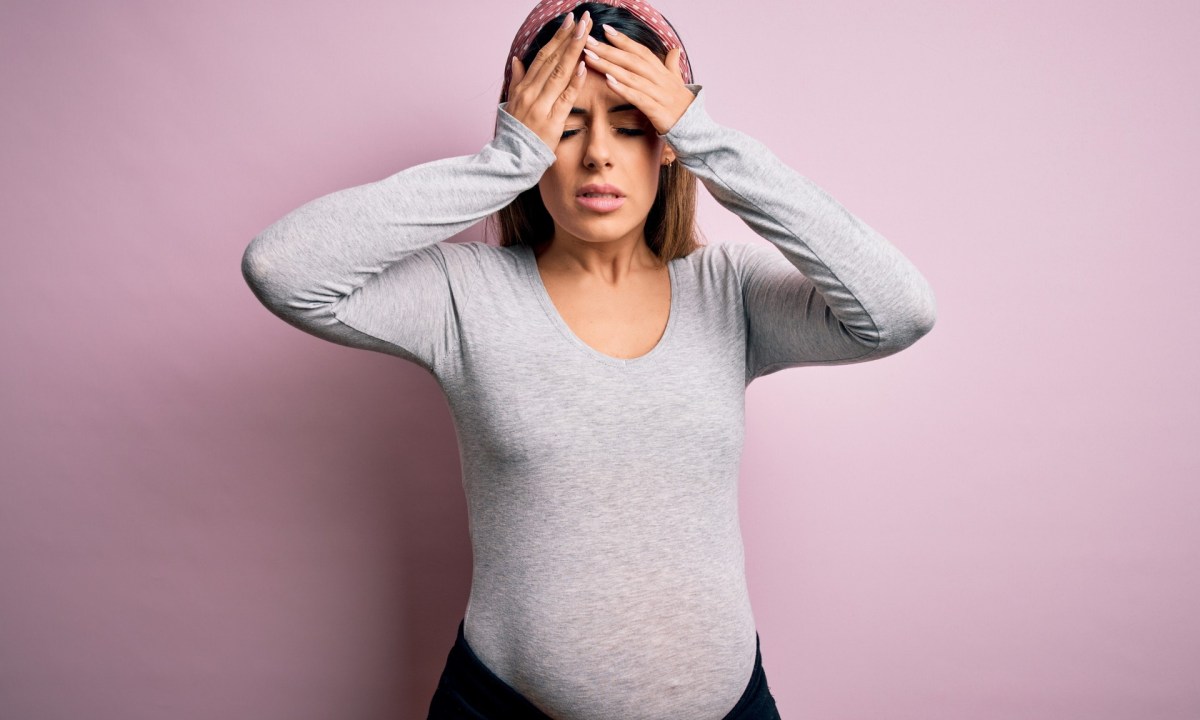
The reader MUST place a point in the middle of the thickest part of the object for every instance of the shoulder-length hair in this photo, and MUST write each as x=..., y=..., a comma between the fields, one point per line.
x=671, y=231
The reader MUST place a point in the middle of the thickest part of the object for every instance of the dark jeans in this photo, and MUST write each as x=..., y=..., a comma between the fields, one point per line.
x=468, y=690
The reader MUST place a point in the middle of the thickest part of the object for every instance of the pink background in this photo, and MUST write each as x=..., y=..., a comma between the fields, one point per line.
x=206, y=513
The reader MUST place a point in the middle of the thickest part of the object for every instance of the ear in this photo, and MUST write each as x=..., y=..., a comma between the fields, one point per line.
x=668, y=155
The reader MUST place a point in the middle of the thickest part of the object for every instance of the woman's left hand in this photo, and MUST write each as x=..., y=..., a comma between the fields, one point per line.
x=636, y=74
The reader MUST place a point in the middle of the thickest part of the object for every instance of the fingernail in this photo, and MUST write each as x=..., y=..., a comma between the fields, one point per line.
x=582, y=25
x=569, y=20
x=610, y=29
x=592, y=41
x=591, y=54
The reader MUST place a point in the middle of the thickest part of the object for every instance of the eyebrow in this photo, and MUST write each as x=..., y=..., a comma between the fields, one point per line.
x=615, y=109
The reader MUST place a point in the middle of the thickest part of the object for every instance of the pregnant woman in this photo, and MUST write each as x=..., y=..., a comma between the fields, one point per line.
x=595, y=360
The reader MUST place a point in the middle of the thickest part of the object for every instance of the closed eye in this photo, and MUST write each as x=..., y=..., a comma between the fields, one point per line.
x=623, y=131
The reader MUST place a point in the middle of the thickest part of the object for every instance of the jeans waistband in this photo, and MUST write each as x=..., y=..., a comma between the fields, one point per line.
x=469, y=689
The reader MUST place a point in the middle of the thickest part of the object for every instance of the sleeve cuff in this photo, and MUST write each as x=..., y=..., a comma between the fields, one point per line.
x=517, y=136
x=695, y=122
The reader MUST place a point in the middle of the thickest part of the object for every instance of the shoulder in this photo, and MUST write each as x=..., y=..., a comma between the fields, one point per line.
x=478, y=264
x=743, y=254
x=748, y=260
x=480, y=255
x=728, y=259
x=725, y=271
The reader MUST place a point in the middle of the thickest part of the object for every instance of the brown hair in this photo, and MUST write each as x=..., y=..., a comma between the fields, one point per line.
x=671, y=231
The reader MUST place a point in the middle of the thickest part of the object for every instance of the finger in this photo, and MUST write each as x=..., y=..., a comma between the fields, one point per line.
x=566, y=99
x=627, y=69
x=624, y=42
x=674, y=62
x=634, y=88
x=563, y=73
x=639, y=98
x=548, y=57
x=518, y=74
x=597, y=61
x=622, y=63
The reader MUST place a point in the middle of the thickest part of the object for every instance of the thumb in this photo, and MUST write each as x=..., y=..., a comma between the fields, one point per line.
x=674, y=62
x=518, y=74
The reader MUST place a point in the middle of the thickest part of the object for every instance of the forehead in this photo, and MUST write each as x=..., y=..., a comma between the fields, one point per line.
x=596, y=97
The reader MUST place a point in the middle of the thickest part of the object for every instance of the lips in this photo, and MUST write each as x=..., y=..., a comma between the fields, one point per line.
x=599, y=190
x=600, y=197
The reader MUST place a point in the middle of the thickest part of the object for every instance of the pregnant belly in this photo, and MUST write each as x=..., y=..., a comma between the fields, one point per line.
x=668, y=641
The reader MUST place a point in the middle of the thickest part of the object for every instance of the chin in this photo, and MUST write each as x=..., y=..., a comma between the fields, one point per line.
x=601, y=232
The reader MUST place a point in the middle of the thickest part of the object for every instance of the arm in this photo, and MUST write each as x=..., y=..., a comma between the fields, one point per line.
x=360, y=267
x=837, y=292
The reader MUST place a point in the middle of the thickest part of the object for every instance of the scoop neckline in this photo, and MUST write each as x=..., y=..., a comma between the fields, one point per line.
x=556, y=318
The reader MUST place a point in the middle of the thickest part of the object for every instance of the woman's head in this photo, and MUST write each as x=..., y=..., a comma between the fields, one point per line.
x=607, y=142
x=649, y=27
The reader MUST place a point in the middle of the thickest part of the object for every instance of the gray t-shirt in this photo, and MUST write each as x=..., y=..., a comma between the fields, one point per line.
x=608, y=577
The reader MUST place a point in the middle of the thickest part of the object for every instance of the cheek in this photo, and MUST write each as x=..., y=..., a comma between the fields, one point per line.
x=557, y=192
x=551, y=185
x=654, y=155
x=653, y=170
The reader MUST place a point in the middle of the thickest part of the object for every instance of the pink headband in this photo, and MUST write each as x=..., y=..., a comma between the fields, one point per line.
x=547, y=10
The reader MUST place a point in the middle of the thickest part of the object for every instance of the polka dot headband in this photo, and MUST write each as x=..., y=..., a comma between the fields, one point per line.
x=547, y=10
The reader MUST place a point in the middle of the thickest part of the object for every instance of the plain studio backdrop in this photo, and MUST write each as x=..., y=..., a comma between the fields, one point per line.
x=206, y=513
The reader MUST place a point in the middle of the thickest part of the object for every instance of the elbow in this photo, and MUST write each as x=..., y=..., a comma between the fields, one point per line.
x=259, y=276
x=254, y=266
x=910, y=321
x=282, y=287
x=919, y=319
x=924, y=313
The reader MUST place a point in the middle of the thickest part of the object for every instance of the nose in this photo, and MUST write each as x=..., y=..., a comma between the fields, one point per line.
x=596, y=153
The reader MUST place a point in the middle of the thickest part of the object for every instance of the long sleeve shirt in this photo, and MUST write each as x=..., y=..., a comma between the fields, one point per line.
x=608, y=577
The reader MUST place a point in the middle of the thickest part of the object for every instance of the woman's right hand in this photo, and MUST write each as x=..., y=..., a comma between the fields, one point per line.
x=542, y=97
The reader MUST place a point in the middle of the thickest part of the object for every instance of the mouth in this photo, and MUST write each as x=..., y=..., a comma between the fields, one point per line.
x=600, y=190
x=600, y=197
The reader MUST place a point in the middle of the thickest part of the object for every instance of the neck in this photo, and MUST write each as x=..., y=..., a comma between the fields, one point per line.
x=610, y=261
